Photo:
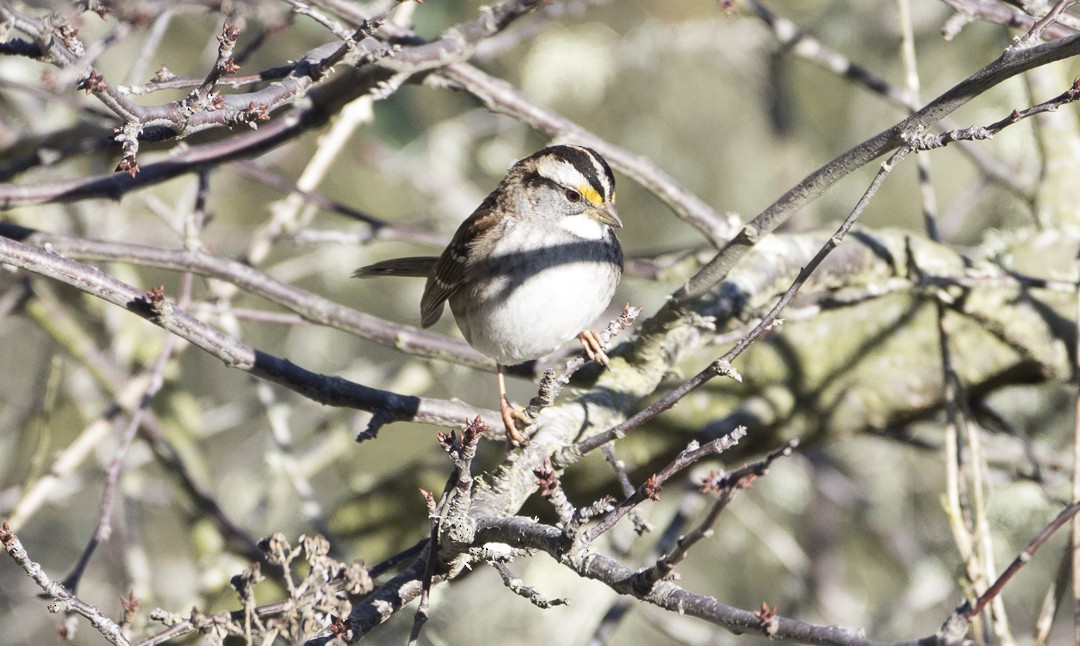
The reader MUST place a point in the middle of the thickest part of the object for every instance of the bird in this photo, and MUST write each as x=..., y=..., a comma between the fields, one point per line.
x=531, y=268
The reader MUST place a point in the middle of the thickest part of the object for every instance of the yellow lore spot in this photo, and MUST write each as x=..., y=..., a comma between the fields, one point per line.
x=590, y=194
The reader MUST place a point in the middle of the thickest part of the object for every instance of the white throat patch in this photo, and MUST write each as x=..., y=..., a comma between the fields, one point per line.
x=583, y=226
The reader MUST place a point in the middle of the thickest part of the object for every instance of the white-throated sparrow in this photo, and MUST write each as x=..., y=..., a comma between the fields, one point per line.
x=533, y=265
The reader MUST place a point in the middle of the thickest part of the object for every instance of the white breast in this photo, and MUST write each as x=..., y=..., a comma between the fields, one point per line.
x=513, y=323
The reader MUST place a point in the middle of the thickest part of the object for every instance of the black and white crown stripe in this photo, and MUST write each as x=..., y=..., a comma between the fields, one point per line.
x=576, y=165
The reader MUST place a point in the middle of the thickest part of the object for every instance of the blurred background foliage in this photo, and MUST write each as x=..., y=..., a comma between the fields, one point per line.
x=850, y=530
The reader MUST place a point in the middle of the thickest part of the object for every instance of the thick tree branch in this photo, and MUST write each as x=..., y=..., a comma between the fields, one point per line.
x=529, y=534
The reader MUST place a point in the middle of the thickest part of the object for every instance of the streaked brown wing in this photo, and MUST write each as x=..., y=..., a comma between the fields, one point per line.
x=449, y=272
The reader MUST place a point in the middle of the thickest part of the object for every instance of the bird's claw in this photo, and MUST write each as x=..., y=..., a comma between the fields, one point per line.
x=515, y=421
x=594, y=347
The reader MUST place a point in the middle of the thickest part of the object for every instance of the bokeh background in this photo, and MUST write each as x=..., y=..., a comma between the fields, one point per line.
x=850, y=530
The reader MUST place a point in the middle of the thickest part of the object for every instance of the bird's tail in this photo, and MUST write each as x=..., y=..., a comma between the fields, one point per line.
x=419, y=266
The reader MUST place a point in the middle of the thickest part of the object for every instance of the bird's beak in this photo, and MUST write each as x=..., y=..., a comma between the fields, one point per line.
x=605, y=214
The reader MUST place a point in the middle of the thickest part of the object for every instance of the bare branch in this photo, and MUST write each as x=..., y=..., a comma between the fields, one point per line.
x=63, y=600
x=1000, y=13
x=499, y=96
x=957, y=624
x=312, y=307
x=525, y=533
x=334, y=391
x=723, y=365
x=651, y=488
x=1009, y=64
x=515, y=585
x=325, y=98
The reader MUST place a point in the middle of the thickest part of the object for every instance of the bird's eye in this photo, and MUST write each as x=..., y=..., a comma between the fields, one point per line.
x=573, y=195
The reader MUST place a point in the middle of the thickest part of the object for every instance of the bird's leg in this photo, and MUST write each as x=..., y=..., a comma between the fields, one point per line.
x=594, y=347
x=511, y=416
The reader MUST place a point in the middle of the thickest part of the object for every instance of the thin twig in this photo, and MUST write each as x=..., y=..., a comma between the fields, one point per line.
x=1009, y=64
x=311, y=306
x=335, y=391
x=725, y=487
x=528, y=534
x=324, y=98
x=956, y=626
x=651, y=488
x=516, y=586
x=501, y=97
x=423, y=607
x=689, y=506
x=1003, y=14
x=641, y=526
x=1074, y=539
x=1040, y=26
x=722, y=366
x=63, y=600
x=112, y=478
x=449, y=519
x=804, y=45
x=552, y=384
